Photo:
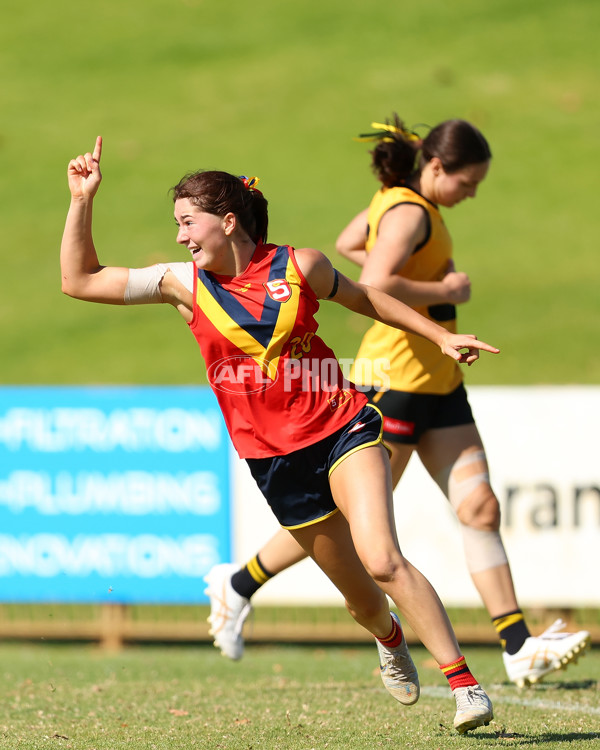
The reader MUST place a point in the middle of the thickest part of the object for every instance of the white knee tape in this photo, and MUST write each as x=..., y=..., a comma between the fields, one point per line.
x=461, y=481
x=483, y=549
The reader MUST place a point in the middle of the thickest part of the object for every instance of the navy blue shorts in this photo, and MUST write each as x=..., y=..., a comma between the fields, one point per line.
x=407, y=416
x=296, y=485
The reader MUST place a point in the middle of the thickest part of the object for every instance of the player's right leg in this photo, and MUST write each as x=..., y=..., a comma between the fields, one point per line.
x=330, y=544
x=230, y=589
x=455, y=458
x=228, y=610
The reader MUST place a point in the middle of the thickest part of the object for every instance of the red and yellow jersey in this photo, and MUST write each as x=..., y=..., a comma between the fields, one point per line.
x=279, y=386
x=415, y=364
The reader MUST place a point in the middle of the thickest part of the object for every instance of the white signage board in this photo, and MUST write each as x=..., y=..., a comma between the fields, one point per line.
x=542, y=446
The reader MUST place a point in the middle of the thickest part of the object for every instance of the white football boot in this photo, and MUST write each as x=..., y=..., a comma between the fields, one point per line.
x=539, y=655
x=398, y=671
x=473, y=708
x=228, y=611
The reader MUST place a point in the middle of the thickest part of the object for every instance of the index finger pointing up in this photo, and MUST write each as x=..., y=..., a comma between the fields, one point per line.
x=97, y=149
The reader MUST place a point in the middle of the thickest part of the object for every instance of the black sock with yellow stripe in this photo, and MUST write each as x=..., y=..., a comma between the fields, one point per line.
x=512, y=630
x=250, y=578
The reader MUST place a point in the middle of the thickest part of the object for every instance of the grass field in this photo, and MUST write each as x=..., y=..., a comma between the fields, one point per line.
x=279, y=90
x=292, y=698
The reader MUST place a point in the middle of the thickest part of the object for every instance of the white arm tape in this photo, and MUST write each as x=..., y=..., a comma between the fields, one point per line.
x=143, y=284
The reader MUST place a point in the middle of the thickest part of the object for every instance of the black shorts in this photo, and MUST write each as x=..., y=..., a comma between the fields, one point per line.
x=407, y=416
x=296, y=485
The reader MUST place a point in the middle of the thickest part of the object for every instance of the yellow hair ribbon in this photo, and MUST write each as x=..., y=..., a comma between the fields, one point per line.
x=382, y=129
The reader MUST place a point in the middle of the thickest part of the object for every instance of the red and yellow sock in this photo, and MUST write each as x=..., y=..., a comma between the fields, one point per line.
x=394, y=639
x=458, y=673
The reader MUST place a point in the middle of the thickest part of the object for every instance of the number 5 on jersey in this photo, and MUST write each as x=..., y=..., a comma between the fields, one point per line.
x=278, y=290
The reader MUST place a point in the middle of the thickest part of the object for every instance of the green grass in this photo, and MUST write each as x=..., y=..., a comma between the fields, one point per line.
x=297, y=698
x=279, y=90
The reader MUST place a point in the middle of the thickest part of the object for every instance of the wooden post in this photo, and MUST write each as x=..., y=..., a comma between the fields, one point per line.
x=112, y=623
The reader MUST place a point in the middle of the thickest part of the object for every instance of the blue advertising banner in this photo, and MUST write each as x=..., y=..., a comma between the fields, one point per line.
x=111, y=494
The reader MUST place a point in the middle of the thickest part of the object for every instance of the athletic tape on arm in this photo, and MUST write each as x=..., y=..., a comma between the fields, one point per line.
x=143, y=284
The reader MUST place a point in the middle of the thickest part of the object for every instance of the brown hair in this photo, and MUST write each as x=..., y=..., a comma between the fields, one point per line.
x=220, y=193
x=399, y=153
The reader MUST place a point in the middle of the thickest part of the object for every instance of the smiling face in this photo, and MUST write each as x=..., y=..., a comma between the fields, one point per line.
x=205, y=236
x=449, y=188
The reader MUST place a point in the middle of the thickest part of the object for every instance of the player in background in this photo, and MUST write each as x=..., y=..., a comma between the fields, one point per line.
x=404, y=249
x=313, y=446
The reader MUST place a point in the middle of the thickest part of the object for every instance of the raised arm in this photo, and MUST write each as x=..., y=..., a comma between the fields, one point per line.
x=82, y=275
x=373, y=303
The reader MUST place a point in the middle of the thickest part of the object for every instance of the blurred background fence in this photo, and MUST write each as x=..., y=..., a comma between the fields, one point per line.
x=115, y=502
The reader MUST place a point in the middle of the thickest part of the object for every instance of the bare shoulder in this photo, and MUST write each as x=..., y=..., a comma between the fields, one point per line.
x=406, y=218
x=309, y=257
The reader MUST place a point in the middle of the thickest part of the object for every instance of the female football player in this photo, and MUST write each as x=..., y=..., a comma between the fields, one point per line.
x=311, y=440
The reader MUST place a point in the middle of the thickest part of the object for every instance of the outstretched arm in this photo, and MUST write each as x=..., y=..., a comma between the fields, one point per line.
x=82, y=275
x=372, y=303
x=367, y=300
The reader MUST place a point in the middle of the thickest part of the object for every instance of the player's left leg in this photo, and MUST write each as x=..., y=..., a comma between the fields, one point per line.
x=330, y=544
x=362, y=488
x=455, y=458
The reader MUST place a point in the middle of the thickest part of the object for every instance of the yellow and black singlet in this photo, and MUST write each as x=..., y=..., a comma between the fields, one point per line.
x=415, y=364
